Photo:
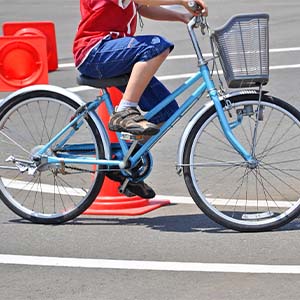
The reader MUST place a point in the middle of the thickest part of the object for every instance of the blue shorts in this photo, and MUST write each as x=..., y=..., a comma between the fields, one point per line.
x=114, y=57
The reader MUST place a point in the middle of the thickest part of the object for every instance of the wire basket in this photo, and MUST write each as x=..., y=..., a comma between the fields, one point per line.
x=243, y=49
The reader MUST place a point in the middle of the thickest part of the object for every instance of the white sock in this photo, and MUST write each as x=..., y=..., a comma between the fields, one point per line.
x=124, y=104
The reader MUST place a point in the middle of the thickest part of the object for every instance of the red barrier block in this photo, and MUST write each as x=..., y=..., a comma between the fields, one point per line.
x=44, y=28
x=23, y=62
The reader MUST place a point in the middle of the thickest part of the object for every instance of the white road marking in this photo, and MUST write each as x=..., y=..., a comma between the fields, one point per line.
x=47, y=188
x=187, y=56
x=44, y=188
x=66, y=65
x=187, y=75
x=182, y=76
x=147, y=265
x=230, y=202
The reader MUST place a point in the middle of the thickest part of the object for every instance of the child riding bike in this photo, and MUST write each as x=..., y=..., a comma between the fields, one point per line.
x=105, y=46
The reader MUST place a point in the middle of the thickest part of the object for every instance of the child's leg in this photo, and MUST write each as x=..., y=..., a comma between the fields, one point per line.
x=127, y=118
x=141, y=74
x=140, y=56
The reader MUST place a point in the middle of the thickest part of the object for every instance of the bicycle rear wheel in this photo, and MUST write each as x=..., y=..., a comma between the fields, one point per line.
x=232, y=192
x=55, y=193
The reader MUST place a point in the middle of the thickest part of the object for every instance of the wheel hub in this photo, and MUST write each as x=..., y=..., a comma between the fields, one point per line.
x=42, y=165
x=253, y=164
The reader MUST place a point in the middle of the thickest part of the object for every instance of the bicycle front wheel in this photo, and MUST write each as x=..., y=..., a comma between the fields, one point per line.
x=232, y=192
x=55, y=193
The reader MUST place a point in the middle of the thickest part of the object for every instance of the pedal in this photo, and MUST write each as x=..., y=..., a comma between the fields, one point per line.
x=131, y=137
x=127, y=193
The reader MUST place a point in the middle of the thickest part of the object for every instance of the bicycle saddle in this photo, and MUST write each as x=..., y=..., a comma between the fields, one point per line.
x=103, y=82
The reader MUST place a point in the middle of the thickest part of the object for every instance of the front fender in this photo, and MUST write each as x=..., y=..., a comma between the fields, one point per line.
x=75, y=98
x=197, y=116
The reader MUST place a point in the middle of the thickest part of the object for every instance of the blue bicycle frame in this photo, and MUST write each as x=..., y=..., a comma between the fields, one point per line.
x=206, y=85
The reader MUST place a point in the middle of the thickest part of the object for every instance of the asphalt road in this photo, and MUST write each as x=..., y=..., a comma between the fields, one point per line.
x=135, y=249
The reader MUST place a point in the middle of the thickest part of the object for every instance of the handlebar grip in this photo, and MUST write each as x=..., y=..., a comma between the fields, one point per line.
x=193, y=5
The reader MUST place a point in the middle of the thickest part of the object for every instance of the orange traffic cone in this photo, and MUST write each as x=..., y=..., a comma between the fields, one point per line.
x=110, y=201
x=23, y=62
x=43, y=28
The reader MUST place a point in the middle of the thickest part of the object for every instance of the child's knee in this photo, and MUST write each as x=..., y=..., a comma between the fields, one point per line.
x=165, y=53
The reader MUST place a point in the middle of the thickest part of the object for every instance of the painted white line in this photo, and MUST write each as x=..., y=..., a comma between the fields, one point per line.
x=147, y=265
x=283, y=67
x=81, y=88
x=44, y=188
x=176, y=199
x=187, y=56
x=50, y=189
x=290, y=49
x=66, y=65
x=183, y=76
x=230, y=202
x=187, y=75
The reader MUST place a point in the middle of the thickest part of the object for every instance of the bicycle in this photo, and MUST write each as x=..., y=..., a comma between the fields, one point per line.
x=55, y=150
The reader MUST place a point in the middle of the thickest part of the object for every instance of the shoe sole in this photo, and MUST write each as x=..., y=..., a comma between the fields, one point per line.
x=135, y=131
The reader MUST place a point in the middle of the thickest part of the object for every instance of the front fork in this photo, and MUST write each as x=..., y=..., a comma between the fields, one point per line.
x=222, y=118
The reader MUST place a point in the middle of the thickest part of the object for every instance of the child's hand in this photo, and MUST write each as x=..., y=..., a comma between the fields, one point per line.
x=196, y=7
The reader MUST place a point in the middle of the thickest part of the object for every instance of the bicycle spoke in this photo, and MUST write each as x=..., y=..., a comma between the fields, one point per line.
x=283, y=181
x=276, y=142
x=225, y=143
x=43, y=118
x=14, y=142
x=32, y=136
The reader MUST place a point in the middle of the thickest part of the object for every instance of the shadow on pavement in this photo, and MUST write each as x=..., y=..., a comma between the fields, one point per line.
x=171, y=223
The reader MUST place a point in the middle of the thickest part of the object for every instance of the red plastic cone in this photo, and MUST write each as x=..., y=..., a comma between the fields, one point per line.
x=23, y=62
x=43, y=28
x=110, y=201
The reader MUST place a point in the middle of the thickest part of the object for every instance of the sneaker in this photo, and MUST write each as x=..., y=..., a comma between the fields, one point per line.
x=130, y=120
x=133, y=188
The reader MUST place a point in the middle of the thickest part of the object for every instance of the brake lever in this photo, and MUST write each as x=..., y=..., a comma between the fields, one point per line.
x=202, y=27
x=199, y=19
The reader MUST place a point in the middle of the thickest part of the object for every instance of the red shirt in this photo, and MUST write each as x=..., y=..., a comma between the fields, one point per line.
x=100, y=18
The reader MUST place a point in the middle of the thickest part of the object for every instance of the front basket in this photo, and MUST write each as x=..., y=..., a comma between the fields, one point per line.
x=243, y=49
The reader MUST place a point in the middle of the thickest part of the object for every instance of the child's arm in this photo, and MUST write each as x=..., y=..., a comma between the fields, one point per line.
x=159, y=13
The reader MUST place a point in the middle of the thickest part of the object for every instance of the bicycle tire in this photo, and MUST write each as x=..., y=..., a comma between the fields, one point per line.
x=56, y=193
x=231, y=192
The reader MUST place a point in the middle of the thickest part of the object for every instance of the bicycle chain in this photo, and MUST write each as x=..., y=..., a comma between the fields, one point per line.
x=80, y=169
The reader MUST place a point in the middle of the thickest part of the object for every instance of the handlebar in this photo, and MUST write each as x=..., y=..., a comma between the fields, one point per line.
x=195, y=22
x=200, y=20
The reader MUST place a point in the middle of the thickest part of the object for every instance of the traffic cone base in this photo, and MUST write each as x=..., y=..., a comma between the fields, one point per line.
x=111, y=202
x=43, y=28
x=135, y=207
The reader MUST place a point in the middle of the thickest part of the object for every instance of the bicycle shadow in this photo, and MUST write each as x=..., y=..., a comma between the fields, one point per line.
x=189, y=223
x=172, y=223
